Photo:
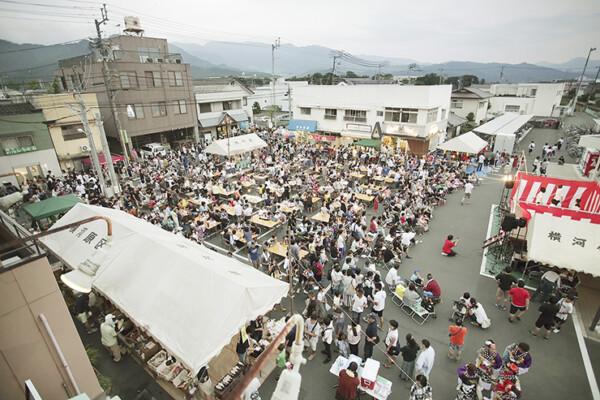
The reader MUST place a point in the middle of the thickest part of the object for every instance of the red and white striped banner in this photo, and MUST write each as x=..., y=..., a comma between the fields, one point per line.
x=528, y=186
x=528, y=210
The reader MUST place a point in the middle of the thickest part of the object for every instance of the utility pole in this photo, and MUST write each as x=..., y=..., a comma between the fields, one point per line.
x=501, y=74
x=581, y=80
x=290, y=101
x=114, y=183
x=335, y=57
x=595, y=79
x=108, y=84
x=441, y=76
x=273, y=47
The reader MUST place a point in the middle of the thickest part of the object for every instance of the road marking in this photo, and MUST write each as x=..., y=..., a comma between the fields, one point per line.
x=587, y=363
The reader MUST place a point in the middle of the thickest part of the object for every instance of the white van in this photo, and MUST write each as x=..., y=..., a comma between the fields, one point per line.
x=153, y=149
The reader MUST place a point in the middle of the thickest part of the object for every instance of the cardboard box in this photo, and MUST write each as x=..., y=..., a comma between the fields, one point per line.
x=369, y=373
x=150, y=349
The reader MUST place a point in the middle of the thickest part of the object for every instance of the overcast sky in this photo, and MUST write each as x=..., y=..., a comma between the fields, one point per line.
x=511, y=31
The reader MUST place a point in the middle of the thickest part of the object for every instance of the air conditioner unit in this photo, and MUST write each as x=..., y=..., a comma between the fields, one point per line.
x=85, y=148
x=159, y=60
x=177, y=61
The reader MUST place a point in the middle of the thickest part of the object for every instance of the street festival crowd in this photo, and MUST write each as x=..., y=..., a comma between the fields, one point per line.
x=198, y=195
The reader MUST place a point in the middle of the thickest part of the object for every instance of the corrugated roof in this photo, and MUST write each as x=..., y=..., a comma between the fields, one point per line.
x=470, y=93
x=455, y=120
x=17, y=109
x=216, y=118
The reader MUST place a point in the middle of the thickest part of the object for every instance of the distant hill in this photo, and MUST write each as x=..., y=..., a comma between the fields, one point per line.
x=575, y=65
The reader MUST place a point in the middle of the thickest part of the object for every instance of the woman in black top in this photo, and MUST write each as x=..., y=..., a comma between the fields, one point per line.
x=409, y=355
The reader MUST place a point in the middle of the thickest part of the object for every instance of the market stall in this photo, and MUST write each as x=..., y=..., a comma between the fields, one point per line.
x=51, y=207
x=236, y=145
x=466, y=143
x=189, y=301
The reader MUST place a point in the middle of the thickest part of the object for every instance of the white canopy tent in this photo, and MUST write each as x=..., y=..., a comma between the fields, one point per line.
x=236, y=145
x=191, y=300
x=507, y=123
x=466, y=143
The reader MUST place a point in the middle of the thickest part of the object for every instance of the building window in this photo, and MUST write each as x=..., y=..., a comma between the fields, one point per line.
x=116, y=55
x=176, y=78
x=432, y=115
x=138, y=111
x=159, y=109
x=533, y=92
x=380, y=113
x=153, y=79
x=16, y=142
x=330, y=113
x=128, y=80
x=228, y=105
x=456, y=104
x=444, y=116
x=70, y=132
x=63, y=83
x=245, y=101
x=392, y=114
x=205, y=108
x=305, y=110
x=180, y=107
x=355, y=115
x=509, y=108
x=409, y=115
x=481, y=105
x=72, y=81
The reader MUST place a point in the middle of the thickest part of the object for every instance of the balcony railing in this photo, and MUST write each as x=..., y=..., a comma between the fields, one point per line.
x=355, y=119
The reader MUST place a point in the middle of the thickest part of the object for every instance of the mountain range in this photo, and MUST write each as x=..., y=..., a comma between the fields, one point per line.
x=32, y=61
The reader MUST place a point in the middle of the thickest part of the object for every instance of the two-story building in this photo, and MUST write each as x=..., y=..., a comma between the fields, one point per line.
x=217, y=98
x=152, y=89
x=470, y=100
x=263, y=95
x=25, y=145
x=415, y=114
x=539, y=99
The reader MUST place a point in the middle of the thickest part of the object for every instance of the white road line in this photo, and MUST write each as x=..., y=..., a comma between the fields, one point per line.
x=587, y=363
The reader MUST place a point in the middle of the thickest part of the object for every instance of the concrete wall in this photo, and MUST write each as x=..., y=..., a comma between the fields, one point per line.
x=472, y=106
x=26, y=351
x=45, y=159
x=540, y=99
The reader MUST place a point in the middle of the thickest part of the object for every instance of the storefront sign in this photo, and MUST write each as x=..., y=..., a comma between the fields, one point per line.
x=19, y=150
x=322, y=138
x=358, y=128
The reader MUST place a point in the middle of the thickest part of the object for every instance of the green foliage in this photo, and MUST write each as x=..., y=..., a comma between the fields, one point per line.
x=54, y=88
x=105, y=383
x=470, y=117
x=256, y=108
x=273, y=108
x=32, y=84
x=93, y=354
x=570, y=95
x=584, y=98
x=429, y=79
x=463, y=81
x=597, y=102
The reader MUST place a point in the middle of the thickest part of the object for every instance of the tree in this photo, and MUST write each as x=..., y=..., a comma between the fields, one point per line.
x=453, y=80
x=429, y=79
x=470, y=117
x=468, y=80
x=584, y=98
x=351, y=74
x=256, y=108
x=53, y=88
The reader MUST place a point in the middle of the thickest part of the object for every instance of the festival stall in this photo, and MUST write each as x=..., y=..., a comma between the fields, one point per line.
x=468, y=143
x=186, y=304
x=102, y=159
x=236, y=145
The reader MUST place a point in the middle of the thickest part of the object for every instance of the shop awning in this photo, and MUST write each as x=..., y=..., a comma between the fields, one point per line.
x=52, y=206
x=466, y=143
x=367, y=143
x=190, y=299
x=506, y=123
x=302, y=125
x=236, y=145
x=102, y=159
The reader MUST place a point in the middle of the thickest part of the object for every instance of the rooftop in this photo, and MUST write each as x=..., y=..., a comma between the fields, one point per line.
x=17, y=109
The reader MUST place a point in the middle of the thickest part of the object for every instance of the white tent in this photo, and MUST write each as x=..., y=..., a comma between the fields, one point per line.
x=466, y=143
x=506, y=123
x=191, y=300
x=236, y=145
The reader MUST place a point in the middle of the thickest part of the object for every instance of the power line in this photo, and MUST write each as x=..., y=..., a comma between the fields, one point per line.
x=46, y=5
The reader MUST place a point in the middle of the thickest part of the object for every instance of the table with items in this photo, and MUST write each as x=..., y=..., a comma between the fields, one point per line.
x=371, y=382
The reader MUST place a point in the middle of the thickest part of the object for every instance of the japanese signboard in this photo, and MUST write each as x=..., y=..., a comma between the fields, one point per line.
x=565, y=243
x=19, y=150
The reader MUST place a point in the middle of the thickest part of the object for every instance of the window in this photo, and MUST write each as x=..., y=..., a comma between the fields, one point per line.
x=228, y=105
x=180, y=107
x=432, y=115
x=128, y=80
x=159, y=109
x=138, y=111
x=245, y=101
x=116, y=55
x=409, y=115
x=16, y=142
x=63, y=82
x=444, y=116
x=305, y=110
x=70, y=132
x=72, y=81
x=456, y=104
x=509, y=108
x=533, y=92
x=153, y=79
x=392, y=114
x=380, y=113
x=355, y=115
x=205, y=108
x=176, y=78
x=481, y=104
x=330, y=113
x=149, y=52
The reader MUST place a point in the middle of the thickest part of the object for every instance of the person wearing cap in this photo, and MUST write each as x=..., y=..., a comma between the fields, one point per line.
x=391, y=343
x=109, y=337
x=371, y=337
x=416, y=278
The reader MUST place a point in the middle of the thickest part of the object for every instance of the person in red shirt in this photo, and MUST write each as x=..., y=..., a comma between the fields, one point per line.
x=457, y=339
x=432, y=289
x=448, y=245
x=348, y=383
x=519, y=301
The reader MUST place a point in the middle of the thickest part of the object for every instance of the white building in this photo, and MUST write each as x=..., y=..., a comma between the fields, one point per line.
x=220, y=98
x=263, y=95
x=470, y=100
x=417, y=114
x=539, y=99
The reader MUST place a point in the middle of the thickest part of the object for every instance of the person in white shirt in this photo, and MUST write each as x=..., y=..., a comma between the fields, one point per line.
x=566, y=309
x=312, y=331
x=478, y=315
x=378, y=301
x=468, y=191
x=391, y=343
x=392, y=279
x=539, y=198
x=359, y=302
x=237, y=211
x=426, y=359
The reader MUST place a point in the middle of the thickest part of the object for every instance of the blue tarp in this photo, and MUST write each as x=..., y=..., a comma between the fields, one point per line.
x=301, y=125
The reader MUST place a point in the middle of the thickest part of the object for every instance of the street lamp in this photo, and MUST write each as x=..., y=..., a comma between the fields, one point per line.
x=581, y=79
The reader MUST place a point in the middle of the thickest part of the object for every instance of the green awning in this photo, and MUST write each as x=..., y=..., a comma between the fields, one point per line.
x=52, y=206
x=367, y=143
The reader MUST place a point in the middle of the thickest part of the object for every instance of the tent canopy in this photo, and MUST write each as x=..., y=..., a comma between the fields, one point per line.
x=102, y=159
x=465, y=143
x=506, y=123
x=191, y=300
x=52, y=206
x=367, y=143
x=236, y=145
x=302, y=125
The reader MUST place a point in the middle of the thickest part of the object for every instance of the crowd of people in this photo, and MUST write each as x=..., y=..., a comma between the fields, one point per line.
x=334, y=250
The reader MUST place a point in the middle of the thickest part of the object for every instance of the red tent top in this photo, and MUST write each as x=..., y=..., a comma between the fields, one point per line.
x=102, y=159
